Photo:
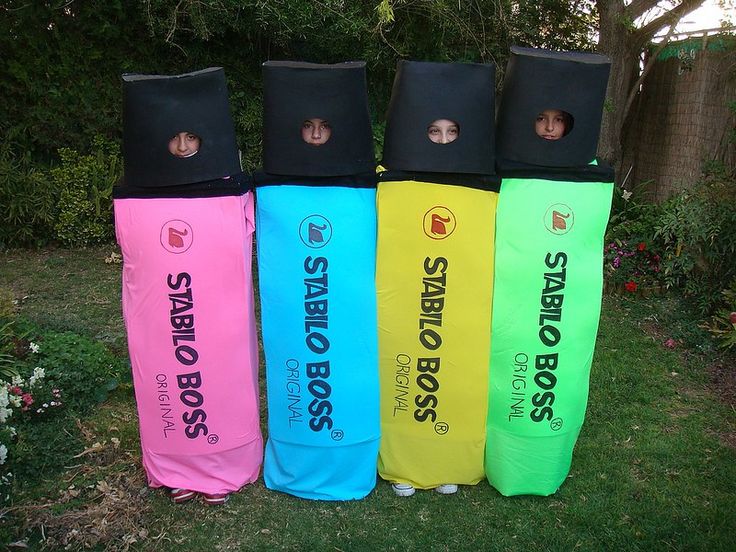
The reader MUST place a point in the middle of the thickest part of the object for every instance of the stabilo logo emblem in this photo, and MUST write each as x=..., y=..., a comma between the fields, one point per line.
x=559, y=219
x=315, y=231
x=439, y=222
x=176, y=236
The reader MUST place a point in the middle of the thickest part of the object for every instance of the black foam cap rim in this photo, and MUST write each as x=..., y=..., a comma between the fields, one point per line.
x=577, y=57
x=133, y=77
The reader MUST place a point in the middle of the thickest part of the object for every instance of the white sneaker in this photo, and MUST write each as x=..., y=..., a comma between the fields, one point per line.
x=403, y=489
x=447, y=488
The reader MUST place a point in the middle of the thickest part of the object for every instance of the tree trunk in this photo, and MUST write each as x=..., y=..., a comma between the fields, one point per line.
x=623, y=42
x=615, y=38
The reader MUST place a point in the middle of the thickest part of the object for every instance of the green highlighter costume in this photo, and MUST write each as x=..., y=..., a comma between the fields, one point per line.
x=552, y=214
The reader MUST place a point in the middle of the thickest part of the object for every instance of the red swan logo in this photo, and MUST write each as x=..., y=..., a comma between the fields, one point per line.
x=439, y=222
x=559, y=219
x=176, y=236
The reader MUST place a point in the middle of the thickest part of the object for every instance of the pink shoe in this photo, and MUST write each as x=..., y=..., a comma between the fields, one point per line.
x=182, y=495
x=215, y=499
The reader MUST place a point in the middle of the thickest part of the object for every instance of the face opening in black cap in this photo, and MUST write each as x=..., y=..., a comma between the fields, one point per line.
x=443, y=131
x=553, y=124
x=184, y=144
x=316, y=131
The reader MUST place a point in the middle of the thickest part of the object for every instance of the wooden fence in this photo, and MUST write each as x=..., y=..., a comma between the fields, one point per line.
x=685, y=116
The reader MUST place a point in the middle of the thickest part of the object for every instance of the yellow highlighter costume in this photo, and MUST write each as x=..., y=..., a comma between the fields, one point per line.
x=434, y=276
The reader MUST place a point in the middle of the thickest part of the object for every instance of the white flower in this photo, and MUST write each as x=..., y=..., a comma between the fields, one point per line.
x=12, y=431
x=5, y=413
x=38, y=375
x=626, y=195
x=4, y=397
x=16, y=380
x=3, y=453
x=34, y=348
x=14, y=400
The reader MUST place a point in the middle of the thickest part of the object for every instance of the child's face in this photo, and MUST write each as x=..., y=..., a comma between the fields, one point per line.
x=550, y=124
x=184, y=144
x=443, y=131
x=316, y=131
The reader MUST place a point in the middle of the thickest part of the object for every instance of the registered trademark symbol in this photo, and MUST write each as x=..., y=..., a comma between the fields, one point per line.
x=440, y=428
x=213, y=438
x=556, y=424
x=337, y=434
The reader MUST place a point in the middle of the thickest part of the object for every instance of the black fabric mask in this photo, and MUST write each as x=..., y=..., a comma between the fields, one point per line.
x=537, y=80
x=156, y=108
x=424, y=92
x=295, y=92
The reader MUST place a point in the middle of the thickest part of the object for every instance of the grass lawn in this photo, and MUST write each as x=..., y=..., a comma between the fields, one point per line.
x=654, y=467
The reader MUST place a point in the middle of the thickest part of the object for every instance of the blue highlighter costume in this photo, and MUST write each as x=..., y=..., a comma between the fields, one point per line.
x=316, y=240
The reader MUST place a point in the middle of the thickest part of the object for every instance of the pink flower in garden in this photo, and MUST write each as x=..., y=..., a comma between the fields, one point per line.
x=670, y=343
x=15, y=390
x=642, y=246
x=27, y=399
x=616, y=262
x=732, y=317
x=630, y=286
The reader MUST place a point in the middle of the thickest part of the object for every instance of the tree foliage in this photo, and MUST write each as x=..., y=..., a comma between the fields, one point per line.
x=62, y=60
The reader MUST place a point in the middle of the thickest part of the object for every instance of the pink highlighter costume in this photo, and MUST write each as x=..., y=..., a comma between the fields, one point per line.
x=185, y=227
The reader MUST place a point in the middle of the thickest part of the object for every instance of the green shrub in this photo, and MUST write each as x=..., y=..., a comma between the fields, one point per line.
x=632, y=264
x=57, y=376
x=698, y=231
x=28, y=199
x=247, y=112
x=82, y=367
x=632, y=257
x=723, y=323
x=85, y=186
x=633, y=218
x=42, y=447
x=7, y=303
